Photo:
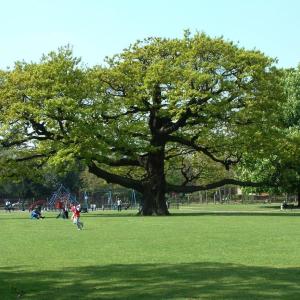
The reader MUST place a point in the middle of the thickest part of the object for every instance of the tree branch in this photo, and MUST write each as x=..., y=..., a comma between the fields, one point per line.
x=34, y=156
x=113, y=178
x=191, y=189
x=123, y=162
x=199, y=148
x=132, y=110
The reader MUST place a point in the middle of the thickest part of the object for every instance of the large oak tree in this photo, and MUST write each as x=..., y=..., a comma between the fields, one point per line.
x=161, y=104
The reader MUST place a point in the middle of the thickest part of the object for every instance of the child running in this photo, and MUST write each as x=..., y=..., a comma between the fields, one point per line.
x=76, y=216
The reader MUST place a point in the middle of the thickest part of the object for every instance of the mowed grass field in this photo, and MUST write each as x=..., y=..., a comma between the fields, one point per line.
x=200, y=252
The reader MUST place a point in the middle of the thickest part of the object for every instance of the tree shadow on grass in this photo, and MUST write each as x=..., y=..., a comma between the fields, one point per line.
x=278, y=207
x=195, y=213
x=237, y=213
x=110, y=214
x=271, y=206
x=26, y=217
x=176, y=214
x=152, y=281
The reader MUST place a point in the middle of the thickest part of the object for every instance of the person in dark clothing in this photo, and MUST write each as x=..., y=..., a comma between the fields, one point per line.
x=36, y=214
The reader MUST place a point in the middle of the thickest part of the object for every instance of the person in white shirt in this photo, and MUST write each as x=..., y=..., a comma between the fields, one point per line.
x=119, y=204
x=8, y=205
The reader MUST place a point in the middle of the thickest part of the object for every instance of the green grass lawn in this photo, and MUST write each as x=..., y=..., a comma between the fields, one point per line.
x=204, y=252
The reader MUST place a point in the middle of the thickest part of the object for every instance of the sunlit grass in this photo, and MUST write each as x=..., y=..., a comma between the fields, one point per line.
x=202, y=254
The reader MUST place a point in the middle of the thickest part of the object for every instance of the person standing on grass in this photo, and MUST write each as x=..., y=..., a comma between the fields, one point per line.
x=76, y=219
x=119, y=204
x=8, y=206
x=59, y=205
x=73, y=210
x=66, y=212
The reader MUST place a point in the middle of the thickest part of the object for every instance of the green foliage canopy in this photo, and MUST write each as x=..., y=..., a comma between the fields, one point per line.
x=281, y=167
x=131, y=119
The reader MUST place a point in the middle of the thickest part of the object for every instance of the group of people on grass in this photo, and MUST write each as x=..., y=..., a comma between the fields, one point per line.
x=10, y=206
x=75, y=209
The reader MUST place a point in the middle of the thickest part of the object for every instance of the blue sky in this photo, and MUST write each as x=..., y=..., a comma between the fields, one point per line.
x=29, y=28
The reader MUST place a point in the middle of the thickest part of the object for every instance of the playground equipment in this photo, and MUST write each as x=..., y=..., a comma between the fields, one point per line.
x=133, y=198
x=107, y=198
x=61, y=195
x=86, y=204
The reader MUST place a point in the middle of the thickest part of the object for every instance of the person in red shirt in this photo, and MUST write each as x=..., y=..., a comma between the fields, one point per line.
x=59, y=206
x=76, y=216
x=73, y=209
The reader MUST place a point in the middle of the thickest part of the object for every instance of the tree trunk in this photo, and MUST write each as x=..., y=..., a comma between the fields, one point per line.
x=154, y=201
